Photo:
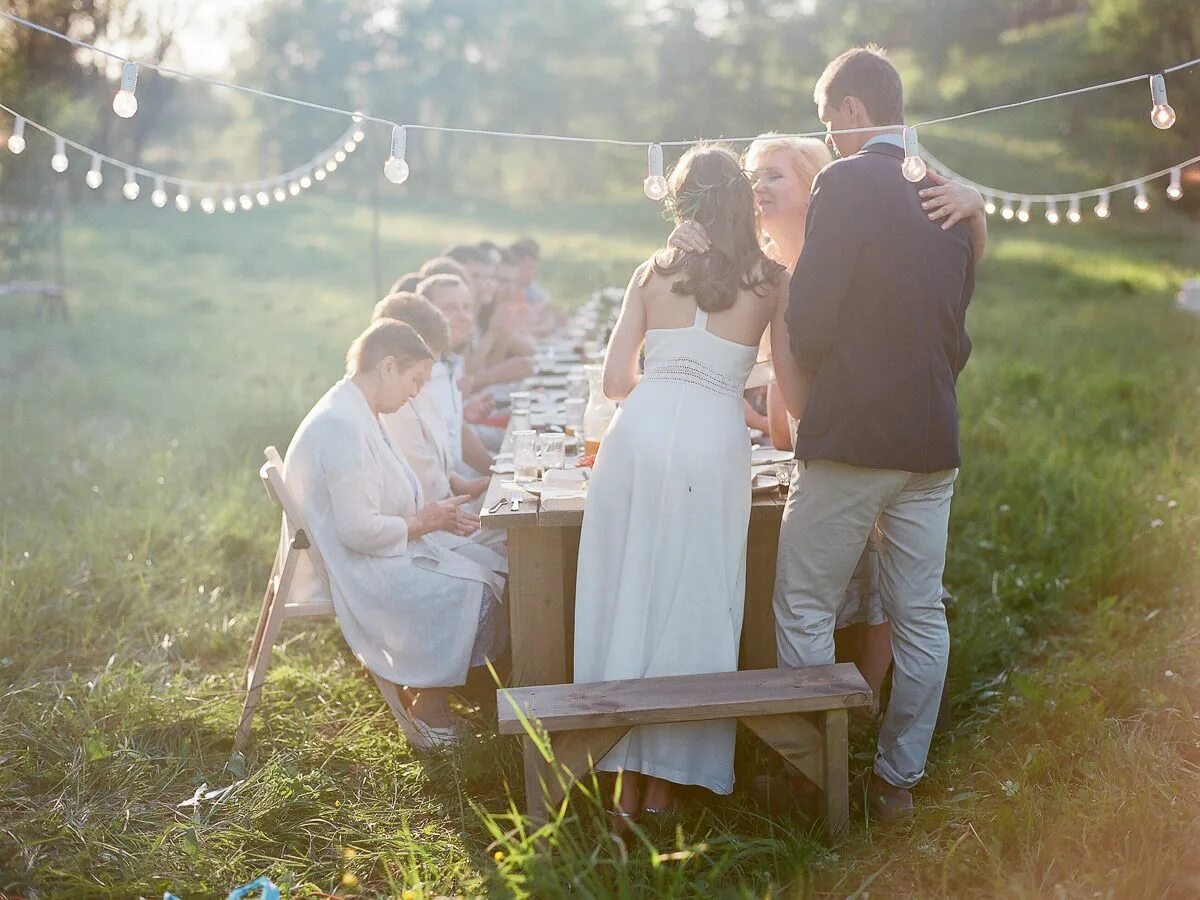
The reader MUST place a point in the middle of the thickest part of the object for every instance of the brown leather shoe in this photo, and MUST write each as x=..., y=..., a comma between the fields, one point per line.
x=884, y=802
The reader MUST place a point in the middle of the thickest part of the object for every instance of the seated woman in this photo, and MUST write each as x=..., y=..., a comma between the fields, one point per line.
x=418, y=429
x=415, y=598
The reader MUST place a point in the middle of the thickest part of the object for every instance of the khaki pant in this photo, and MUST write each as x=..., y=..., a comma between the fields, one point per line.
x=830, y=513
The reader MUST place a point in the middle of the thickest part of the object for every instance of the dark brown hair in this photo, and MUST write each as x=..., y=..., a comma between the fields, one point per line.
x=382, y=339
x=418, y=312
x=865, y=73
x=407, y=282
x=708, y=186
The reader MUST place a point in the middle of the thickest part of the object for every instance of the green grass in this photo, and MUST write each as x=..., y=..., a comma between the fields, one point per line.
x=136, y=541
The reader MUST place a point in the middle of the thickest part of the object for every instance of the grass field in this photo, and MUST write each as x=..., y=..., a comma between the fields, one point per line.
x=136, y=541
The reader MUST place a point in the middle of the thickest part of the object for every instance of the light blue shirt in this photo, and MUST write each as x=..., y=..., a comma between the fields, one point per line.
x=896, y=140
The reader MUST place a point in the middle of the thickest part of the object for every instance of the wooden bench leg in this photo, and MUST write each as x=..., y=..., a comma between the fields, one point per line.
x=575, y=754
x=837, y=771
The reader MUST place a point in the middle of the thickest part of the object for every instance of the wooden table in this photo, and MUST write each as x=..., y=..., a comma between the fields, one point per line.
x=543, y=550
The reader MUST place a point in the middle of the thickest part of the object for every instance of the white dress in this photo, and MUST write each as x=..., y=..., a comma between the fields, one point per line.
x=662, y=556
x=410, y=610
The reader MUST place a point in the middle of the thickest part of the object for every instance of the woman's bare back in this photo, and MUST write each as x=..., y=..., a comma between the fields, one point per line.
x=744, y=322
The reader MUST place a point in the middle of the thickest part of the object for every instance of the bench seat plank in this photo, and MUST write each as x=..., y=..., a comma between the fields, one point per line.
x=684, y=698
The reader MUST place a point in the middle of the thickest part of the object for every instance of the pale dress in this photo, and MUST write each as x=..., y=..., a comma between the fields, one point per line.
x=662, y=556
x=415, y=612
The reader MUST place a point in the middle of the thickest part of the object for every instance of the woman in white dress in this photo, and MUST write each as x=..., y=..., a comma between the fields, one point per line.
x=414, y=597
x=662, y=555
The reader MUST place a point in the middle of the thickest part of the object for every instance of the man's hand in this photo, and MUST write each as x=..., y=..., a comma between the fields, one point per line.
x=448, y=515
x=689, y=236
x=478, y=408
x=951, y=201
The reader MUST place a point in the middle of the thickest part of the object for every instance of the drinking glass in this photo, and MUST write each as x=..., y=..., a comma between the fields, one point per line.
x=574, y=420
x=552, y=449
x=525, y=461
x=783, y=471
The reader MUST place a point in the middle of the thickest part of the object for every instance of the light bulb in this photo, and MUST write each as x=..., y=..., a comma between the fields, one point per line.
x=280, y=195
x=1052, y=212
x=125, y=103
x=294, y=188
x=1007, y=212
x=159, y=195
x=340, y=156
x=655, y=185
x=208, y=204
x=1161, y=113
x=229, y=204
x=395, y=169
x=1140, y=200
x=913, y=168
x=131, y=188
x=357, y=117
x=94, y=177
x=1175, y=188
x=989, y=205
x=331, y=166
x=359, y=136
x=183, y=202
x=1023, y=211
x=320, y=174
x=16, y=140
x=350, y=146
x=262, y=198
x=59, y=161
x=246, y=202
x=1074, y=216
x=305, y=182
x=1102, y=209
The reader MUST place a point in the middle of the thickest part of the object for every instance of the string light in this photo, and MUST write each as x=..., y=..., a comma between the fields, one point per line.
x=1175, y=188
x=320, y=174
x=1074, y=216
x=159, y=195
x=989, y=204
x=280, y=194
x=228, y=203
x=293, y=188
x=94, y=178
x=1161, y=113
x=125, y=103
x=1052, y=213
x=655, y=185
x=913, y=168
x=1007, y=212
x=1023, y=212
x=131, y=188
x=59, y=161
x=1140, y=200
x=246, y=202
x=208, y=205
x=395, y=169
x=350, y=146
x=331, y=166
x=339, y=156
x=182, y=201
x=262, y=198
x=1102, y=209
x=16, y=140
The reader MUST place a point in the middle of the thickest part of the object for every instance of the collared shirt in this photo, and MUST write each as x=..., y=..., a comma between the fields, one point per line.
x=896, y=140
x=445, y=392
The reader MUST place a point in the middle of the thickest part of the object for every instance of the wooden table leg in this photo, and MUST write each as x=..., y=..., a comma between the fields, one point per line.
x=758, y=624
x=837, y=771
x=535, y=606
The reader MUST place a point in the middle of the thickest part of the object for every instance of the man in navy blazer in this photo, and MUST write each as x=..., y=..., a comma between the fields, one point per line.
x=877, y=322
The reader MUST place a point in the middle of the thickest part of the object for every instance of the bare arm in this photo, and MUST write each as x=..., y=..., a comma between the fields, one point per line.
x=621, y=360
x=777, y=419
x=952, y=203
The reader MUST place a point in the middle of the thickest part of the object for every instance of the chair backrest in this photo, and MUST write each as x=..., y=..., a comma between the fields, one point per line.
x=271, y=474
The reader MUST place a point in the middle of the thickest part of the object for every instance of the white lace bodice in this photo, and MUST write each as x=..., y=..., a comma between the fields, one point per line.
x=698, y=357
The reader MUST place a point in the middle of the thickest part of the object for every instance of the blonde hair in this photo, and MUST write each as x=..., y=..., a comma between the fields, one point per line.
x=808, y=155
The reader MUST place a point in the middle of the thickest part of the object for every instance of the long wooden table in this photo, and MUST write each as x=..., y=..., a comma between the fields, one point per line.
x=543, y=551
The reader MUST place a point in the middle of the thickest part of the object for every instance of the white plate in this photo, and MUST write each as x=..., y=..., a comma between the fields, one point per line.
x=502, y=468
x=763, y=484
x=761, y=456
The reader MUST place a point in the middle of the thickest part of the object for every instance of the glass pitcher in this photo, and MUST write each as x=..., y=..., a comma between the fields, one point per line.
x=600, y=410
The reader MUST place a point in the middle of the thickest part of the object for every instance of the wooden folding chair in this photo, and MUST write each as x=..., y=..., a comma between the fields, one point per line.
x=279, y=606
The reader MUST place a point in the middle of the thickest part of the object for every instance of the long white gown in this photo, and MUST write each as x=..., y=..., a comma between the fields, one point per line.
x=662, y=556
x=410, y=610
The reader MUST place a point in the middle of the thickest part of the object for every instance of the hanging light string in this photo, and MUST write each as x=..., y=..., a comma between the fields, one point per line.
x=346, y=143
x=168, y=70
x=997, y=194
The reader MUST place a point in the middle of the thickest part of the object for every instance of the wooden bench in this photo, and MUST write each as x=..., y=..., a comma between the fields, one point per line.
x=800, y=713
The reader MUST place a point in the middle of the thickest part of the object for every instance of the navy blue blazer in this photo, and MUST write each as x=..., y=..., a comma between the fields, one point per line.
x=877, y=316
